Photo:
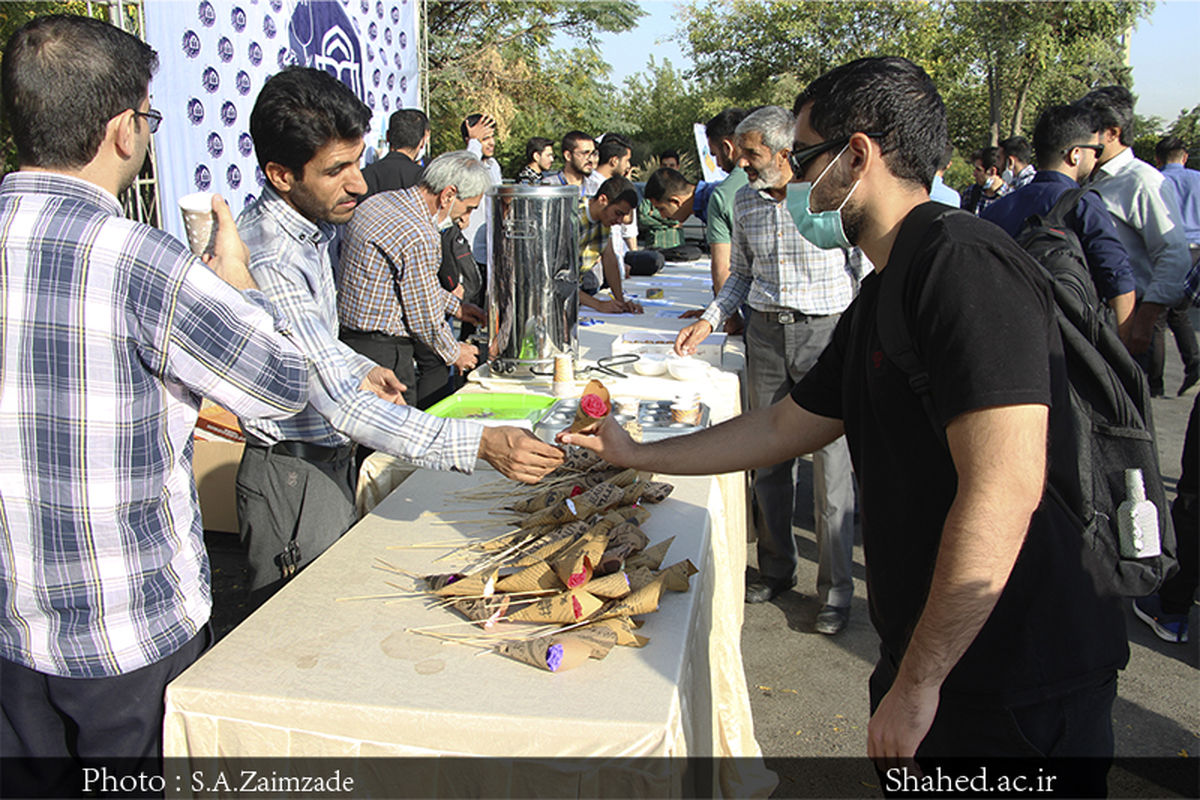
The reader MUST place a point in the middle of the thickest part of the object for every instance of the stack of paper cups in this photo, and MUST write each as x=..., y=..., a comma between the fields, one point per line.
x=199, y=221
x=564, y=375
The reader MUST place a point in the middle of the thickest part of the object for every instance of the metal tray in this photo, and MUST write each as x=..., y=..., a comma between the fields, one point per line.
x=654, y=416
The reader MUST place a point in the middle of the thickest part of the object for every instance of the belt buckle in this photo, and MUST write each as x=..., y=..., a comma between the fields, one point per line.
x=786, y=318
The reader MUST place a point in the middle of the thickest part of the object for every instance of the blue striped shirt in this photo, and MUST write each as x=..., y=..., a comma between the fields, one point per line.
x=111, y=333
x=290, y=260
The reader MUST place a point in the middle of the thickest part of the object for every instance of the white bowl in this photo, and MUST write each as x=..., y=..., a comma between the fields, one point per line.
x=650, y=364
x=687, y=369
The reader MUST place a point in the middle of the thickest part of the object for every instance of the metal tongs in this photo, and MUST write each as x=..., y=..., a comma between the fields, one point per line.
x=604, y=365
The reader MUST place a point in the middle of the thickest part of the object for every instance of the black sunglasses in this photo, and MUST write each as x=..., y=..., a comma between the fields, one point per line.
x=153, y=118
x=800, y=158
x=1098, y=149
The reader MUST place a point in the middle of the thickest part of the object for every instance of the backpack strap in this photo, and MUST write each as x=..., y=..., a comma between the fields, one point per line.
x=894, y=333
x=1056, y=217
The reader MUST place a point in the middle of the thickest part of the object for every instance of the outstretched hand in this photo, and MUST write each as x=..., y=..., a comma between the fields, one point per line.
x=518, y=454
x=606, y=438
x=229, y=257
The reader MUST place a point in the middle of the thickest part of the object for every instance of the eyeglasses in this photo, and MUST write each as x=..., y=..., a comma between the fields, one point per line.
x=153, y=118
x=1098, y=149
x=801, y=157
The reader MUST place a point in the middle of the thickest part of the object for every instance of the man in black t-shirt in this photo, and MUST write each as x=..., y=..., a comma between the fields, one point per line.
x=994, y=640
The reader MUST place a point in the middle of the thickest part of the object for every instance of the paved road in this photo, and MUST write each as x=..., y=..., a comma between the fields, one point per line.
x=809, y=691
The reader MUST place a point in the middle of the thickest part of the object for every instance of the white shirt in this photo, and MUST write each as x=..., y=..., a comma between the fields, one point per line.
x=476, y=230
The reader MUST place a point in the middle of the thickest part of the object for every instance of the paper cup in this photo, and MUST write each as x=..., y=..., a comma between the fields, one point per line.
x=199, y=220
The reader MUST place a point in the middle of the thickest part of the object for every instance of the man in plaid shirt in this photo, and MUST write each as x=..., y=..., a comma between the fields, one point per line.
x=111, y=333
x=295, y=485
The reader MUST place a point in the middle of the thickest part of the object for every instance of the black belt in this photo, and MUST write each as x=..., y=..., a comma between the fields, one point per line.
x=306, y=450
x=374, y=336
x=787, y=317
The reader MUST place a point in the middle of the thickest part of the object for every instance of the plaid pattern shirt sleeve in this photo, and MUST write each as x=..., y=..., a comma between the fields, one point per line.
x=289, y=260
x=111, y=332
x=737, y=286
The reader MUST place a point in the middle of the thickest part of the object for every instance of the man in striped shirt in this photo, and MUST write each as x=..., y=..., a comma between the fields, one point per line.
x=111, y=334
x=295, y=485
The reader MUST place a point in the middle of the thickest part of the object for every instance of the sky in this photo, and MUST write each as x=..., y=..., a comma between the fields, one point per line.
x=1162, y=53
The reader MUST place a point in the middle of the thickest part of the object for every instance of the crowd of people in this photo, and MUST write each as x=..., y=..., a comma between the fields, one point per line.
x=322, y=317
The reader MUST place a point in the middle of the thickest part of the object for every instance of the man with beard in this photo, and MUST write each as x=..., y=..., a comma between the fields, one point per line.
x=295, y=485
x=994, y=641
x=796, y=292
x=579, y=159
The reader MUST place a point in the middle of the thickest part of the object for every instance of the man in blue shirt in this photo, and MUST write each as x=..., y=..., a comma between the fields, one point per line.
x=1067, y=141
x=939, y=191
x=1171, y=156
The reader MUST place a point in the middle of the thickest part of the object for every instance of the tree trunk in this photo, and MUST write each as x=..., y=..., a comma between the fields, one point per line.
x=993, y=86
x=1019, y=108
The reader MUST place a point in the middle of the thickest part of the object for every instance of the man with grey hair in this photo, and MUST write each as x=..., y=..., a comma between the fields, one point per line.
x=390, y=300
x=796, y=293
x=295, y=486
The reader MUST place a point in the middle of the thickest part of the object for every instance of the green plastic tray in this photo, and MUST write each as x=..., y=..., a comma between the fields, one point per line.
x=489, y=407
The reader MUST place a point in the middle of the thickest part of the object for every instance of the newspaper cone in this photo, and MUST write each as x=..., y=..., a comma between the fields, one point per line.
x=535, y=578
x=657, y=491
x=486, y=610
x=639, y=577
x=677, y=576
x=594, y=405
x=543, y=499
x=626, y=477
x=633, y=493
x=635, y=514
x=629, y=536
x=610, y=587
x=574, y=565
x=558, y=514
x=651, y=557
x=566, y=608
x=643, y=601
x=578, y=459
x=598, y=498
x=554, y=541
x=624, y=628
x=483, y=583
x=555, y=654
x=599, y=639
x=599, y=476
x=501, y=542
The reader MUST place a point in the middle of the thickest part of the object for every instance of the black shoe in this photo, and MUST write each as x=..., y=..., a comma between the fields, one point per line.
x=1190, y=379
x=1157, y=392
x=764, y=589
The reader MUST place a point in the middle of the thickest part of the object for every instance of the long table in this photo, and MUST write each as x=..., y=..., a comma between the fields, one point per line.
x=309, y=675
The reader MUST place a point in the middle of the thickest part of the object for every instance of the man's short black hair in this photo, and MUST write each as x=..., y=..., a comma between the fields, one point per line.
x=406, y=128
x=1113, y=106
x=724, y=124
x=64, y=78
x=1060, y=127
x=536, y=145
x=668, y=154
x=613, y=147
x=299, y=111
x=887, y=95
x=573, y=138
x=989, y=157
x=666, y=182
x=1018, y=147
x=472, y=119
x=618, y=189
x=1168, y=148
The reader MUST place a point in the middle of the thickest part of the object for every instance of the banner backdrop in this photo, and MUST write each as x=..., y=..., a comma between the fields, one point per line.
x=215, y=55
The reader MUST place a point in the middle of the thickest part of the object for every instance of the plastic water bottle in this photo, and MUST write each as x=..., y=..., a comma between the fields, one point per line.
x=1137, y=520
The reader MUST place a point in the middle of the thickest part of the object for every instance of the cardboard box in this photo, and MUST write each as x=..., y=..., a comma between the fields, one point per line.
x=215, y=464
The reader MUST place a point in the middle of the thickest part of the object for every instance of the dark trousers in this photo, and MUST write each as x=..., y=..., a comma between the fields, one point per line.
x=1176, y=320
x=417, y=365
x=1178, y=591
x=286, y=501
x=51, y=723
x=1076, y=725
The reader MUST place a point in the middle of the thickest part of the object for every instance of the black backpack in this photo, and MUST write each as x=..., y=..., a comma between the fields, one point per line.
x=1110, y=416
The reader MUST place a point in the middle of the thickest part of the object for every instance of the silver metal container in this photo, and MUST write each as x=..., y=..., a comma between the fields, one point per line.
x=533, y=277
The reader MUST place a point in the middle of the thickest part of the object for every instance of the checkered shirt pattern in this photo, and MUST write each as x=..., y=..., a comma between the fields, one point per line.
x=290, y=260
x=111, y=333
x=774, y=268
x=593, y=237
x=390, y=257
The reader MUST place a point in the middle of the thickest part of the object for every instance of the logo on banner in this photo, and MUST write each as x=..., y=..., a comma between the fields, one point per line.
x=248, y=200
x=396, y=59
x=372, y=31
x=225, y=49
x=376, y=77
x=364, y=6
x=238, y=18
x=245, y=144
x=243, y=82
x=387, y=36
x=215, y=146
x=211, y=80
x=370, y=54
x=403, y=40
x=395, y=15
x=323, y=37
x=276, y=5
x=207, y=14
x=371, y=99
x=234, y=176
x=387, y=104
x=191, y=44
x=403, y=83
x=391, y=83
x=259, y=177
x=203, y=178
x=286, y=58
x=379, y=9
x=195, y=111
x=269, y=27
x=256, y=54
x=228, y=113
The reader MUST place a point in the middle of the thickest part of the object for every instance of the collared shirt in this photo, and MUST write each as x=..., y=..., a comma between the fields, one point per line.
x=592, y=238
x=1187, y=192
x=774, y=268
x=976, y=200
x=591, y=184
x=111, y=332
x=1024, y=177
x=1144, y=206
x=942, y=193
x=529, y=175
x=289, y=258
x=719, y=225
x=391, y=253
x=1090, y=220
x=560, y=179
x=476, y=230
